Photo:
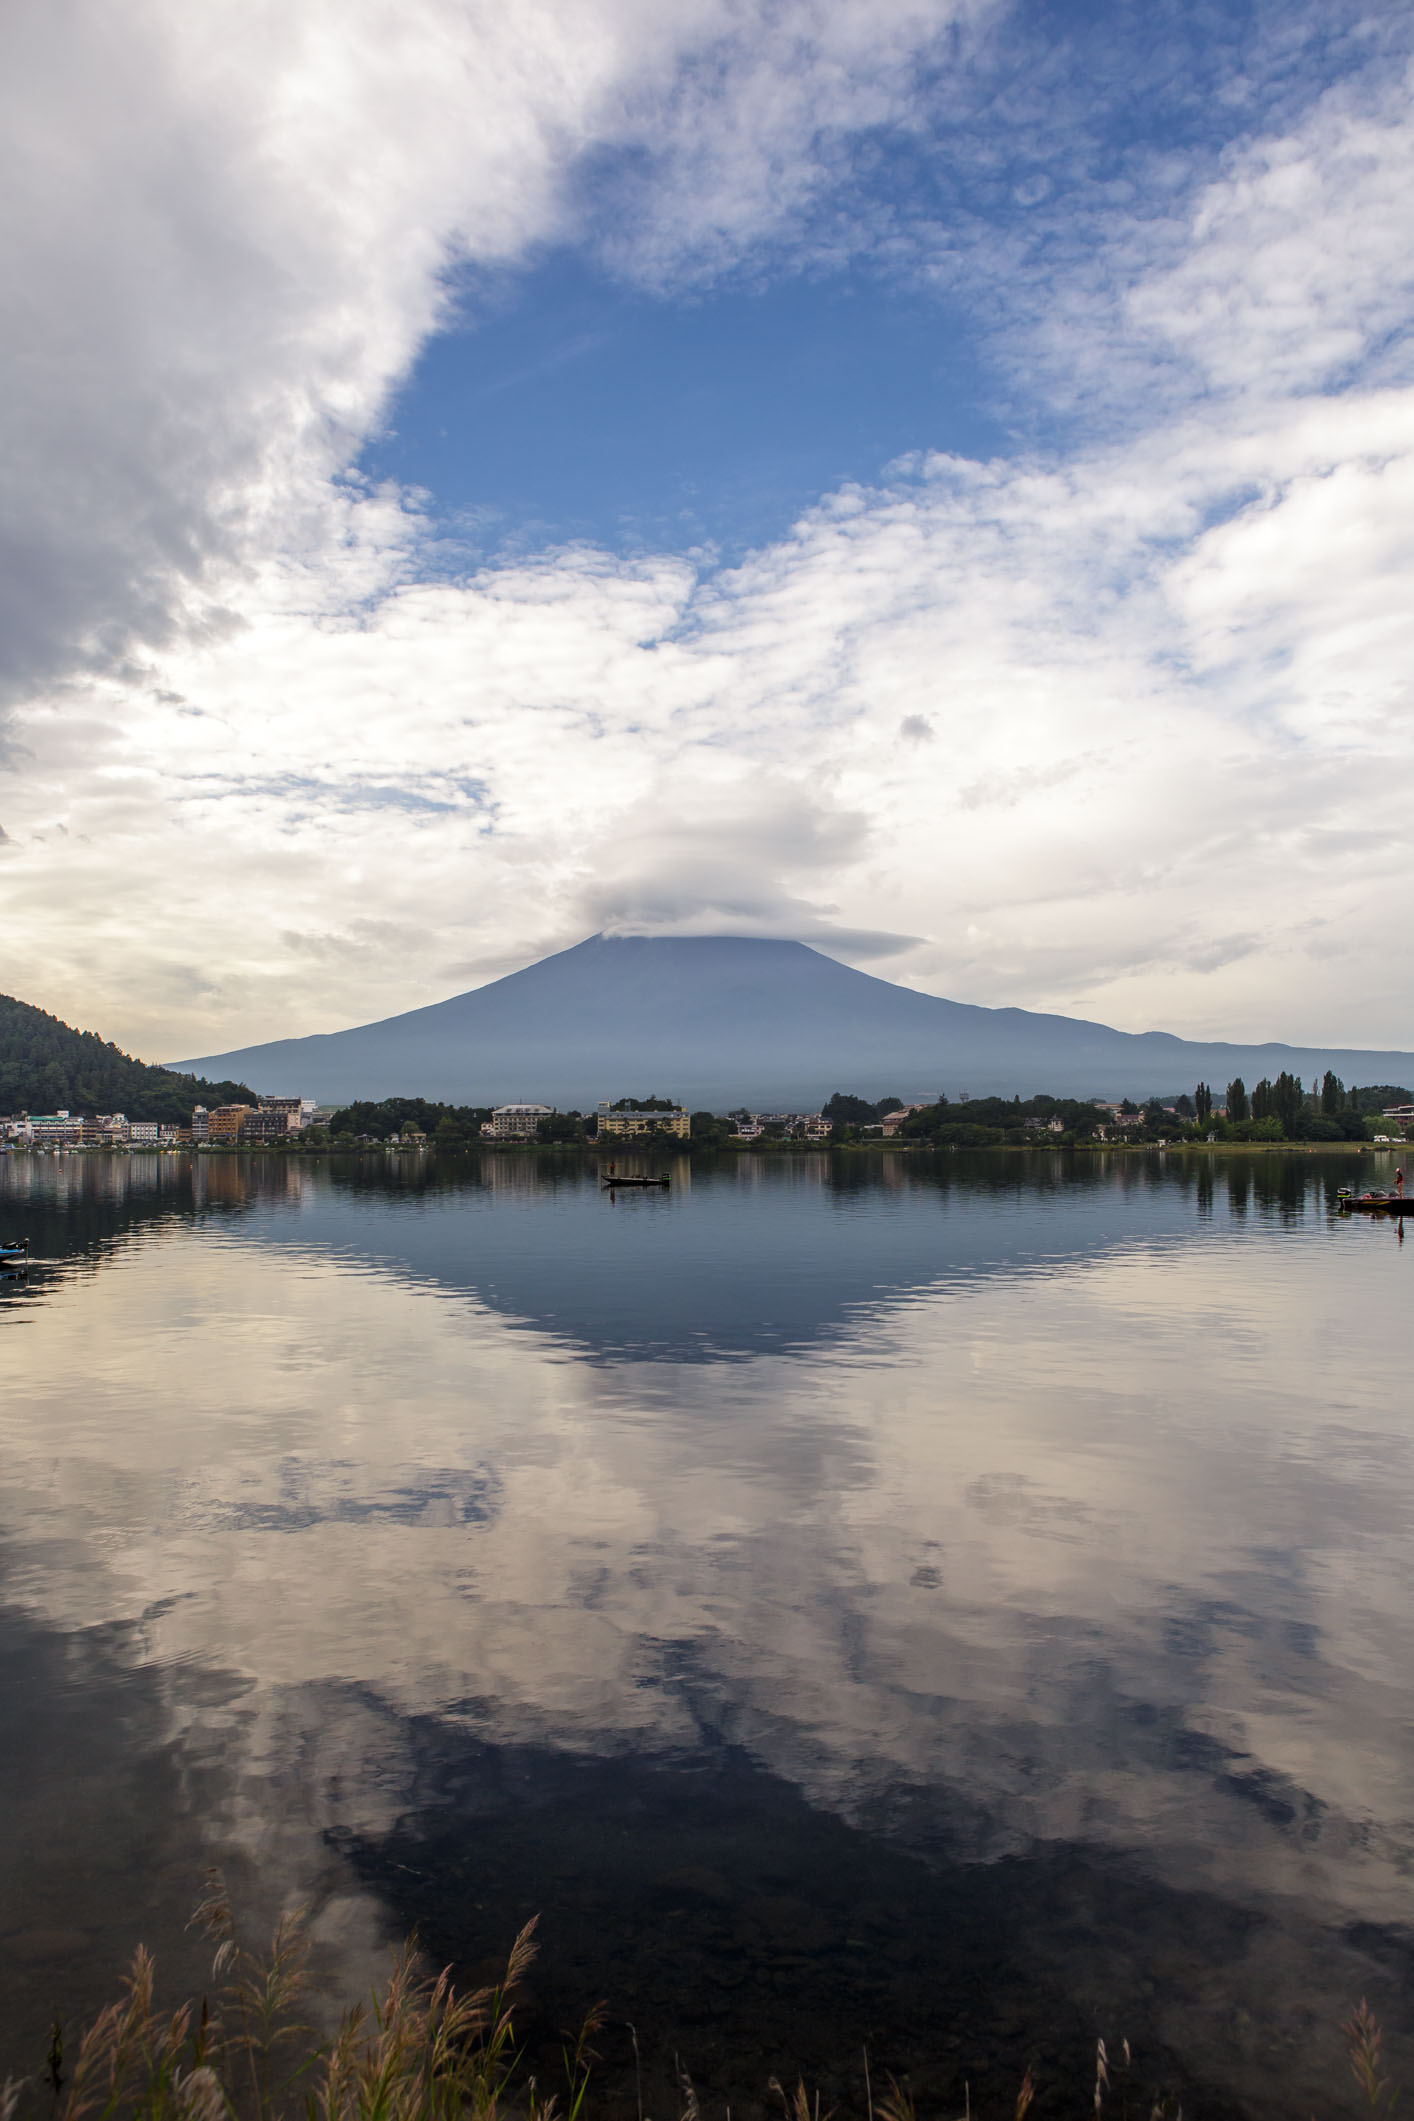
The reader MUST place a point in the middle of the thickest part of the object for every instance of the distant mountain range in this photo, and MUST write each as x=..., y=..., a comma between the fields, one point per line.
x=719, y=1021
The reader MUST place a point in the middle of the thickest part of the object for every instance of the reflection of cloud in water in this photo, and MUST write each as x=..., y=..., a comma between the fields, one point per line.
x=1110, y=1557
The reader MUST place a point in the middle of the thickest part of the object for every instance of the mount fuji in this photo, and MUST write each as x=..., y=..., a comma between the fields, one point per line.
x=719, y=1021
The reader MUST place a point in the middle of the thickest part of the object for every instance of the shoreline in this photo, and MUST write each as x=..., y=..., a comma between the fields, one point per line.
x=262, y=1151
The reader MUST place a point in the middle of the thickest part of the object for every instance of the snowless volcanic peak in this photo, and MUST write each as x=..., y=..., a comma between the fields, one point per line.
x=722, y=1020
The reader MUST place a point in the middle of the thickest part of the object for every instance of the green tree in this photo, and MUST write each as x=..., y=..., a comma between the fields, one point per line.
x=708, y=1127
x=1332, y=1095
x=845, y=1111
x=1374, y=1097
x=1202, y=1104
x=1237, y=1100
x=1287, y=1101
x=387, y=1118
x=47, y=1066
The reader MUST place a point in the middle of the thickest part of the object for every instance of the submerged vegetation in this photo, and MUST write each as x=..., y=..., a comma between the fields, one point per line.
x=421, y=2050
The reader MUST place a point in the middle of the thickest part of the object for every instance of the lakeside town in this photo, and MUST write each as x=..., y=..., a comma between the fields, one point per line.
x=1277, y=1111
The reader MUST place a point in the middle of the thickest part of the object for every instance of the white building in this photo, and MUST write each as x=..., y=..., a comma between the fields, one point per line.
x=795, y=1126
x=52, y=1129
x=516, y=1122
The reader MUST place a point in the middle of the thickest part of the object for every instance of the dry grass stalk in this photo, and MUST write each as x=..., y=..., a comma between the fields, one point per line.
x=1363, y=2041
x=420, y=2051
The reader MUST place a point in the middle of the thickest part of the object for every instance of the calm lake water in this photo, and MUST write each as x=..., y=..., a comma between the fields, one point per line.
x=958, y=1606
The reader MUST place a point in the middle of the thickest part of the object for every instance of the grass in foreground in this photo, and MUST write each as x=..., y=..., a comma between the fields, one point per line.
x=420, y=2051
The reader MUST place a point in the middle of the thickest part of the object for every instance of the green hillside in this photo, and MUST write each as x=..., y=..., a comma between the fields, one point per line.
x=47, y=1066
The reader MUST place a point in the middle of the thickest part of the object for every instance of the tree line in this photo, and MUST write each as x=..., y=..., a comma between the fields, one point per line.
x=1277, y=1110
x=47, y=1066
x=1280, y=1109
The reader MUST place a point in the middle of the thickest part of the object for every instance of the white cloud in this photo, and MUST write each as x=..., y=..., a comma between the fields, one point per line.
x=230, y=230
x=1296, y=270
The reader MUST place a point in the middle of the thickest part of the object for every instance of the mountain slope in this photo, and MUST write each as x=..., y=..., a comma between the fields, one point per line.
x=47, y=1066
x=722, y=1020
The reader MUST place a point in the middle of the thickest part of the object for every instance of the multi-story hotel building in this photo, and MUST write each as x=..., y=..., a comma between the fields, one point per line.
x=642, y=1119
x=516, y=1122
x=225, y=1123
x=271, y=1122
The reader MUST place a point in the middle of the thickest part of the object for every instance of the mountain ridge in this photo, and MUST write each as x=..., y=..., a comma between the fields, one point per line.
x=718, y=1021
x=47, y=1065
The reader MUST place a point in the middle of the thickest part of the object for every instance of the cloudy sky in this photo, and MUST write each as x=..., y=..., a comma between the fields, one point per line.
x=932, y=477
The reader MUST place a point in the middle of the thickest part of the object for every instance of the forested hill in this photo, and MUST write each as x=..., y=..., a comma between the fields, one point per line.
x=47, y=1066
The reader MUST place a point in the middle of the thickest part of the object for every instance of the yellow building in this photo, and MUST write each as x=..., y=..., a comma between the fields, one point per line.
x=642, y=1119
x=226, y=1122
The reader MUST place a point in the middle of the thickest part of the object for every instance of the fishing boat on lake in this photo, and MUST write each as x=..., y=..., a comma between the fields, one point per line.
x=1351, y=1203
x=610, y=1181
x=15, y=1255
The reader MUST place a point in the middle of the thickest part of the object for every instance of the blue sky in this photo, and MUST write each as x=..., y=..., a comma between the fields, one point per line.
x=601, y=392
x=933, y=478
x=574, y=406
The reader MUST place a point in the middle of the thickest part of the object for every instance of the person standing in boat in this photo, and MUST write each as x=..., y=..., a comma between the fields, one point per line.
x=1399, y=1183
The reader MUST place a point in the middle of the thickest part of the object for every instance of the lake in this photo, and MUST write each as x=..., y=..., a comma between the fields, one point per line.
x=953, y=1607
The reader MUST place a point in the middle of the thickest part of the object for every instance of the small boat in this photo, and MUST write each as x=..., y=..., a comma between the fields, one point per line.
x=15, y=1255
x=1373, y=1203
x=610, y=1184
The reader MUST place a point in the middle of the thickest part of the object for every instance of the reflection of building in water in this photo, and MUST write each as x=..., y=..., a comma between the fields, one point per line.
x=516, y=1122
x=642, y=1119
x=240, y=1181
x=512, y=1174
x=220, y=1178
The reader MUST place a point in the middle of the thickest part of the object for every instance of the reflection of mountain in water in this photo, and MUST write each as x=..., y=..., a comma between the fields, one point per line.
x=735, y=1259
x=738, y=1258
x=1060, y=1607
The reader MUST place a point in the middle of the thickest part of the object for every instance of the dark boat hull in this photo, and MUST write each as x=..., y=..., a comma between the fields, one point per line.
x=1375, y=1203
x=616, y=1185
